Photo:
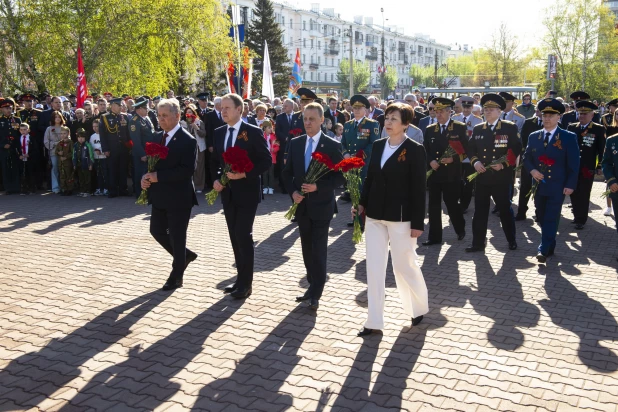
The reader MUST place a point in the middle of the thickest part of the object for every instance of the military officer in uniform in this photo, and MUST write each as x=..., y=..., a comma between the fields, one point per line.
x=509, y=113
x=591, y=140
x=202, y=101
x=490, y=141
x=445, y=181
x=607, y=118
x=610, y=170
x=31, y=116
x=306, y=97
x=573, y=116
x=554, y=180
x=470, y=120
x=141, y=131
x=525, y=180
x=114, y=133
x=360, y=133
x=9, y=146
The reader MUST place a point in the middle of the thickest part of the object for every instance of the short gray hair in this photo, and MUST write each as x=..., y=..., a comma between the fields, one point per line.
x=217, y=100
x=172, y=104
x=411, y=96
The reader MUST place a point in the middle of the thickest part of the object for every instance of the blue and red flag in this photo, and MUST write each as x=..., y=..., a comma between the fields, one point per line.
x=296, y=81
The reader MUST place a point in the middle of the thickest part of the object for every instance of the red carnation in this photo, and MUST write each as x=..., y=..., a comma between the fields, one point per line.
x=586, y=173
x=128, y=144
x=163, y=151
x=457, y=146
x=296, y=132
x=154, y=152
x=546, y=160
x=324, y=159
x=360, y=154
x=511, y=158
x=350, y=163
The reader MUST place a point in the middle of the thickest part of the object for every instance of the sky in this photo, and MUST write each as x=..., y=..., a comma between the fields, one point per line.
x=469, y=22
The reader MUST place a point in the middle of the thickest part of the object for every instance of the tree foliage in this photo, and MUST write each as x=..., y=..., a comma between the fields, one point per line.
x=362, y=74
x=390, y=79
x=263, y=28
x=134, y=47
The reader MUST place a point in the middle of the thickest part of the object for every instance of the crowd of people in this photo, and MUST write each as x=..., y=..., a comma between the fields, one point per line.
x=454, y=149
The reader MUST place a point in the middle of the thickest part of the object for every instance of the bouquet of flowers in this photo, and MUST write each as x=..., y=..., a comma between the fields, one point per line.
x=320, y=165
x=190, y=118
x=454, y=148
x=351, y=169
x=154, y=152
x=606, y=194
x=296, y=132
x=237, y=161
x=509, y=159
x=545, y=163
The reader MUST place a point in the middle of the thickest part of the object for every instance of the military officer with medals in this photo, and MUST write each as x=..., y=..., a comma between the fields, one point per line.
x=610, y=170
x=31, y=116
x=114, y=133
x=557, y=177
x=509, y=112
x=591, y=140
x=445, y=181
x=525, y=180
x=607, y=118
x=490, y=141
x=9, y=147
x=141, y=131
x=470, y=120
x=573, y=116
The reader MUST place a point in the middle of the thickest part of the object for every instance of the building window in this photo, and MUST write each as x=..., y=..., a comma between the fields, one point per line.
x=304, y=58
x=332, y=77
x=304, y=43
x=311, y=75
x=319, y=45
x=291, y=41
x=319, y=59
x=304, y=25
x=311, y=43
x=291, y=23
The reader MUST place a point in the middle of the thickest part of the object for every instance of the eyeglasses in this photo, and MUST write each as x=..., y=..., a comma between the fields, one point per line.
x=431, y=109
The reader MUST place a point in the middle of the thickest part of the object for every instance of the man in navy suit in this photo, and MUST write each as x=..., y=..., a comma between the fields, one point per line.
x=283, y=124
x=428, y=120
x=241, y=196
x=171, y=191
x=374, y=110
x=555, y=181
x=316, y=205
x=333, y=114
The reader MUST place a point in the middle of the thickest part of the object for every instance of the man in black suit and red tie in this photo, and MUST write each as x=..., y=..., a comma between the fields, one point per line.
x=171, y=191
x=240, y=197
x=317, y=206
x=333, y=114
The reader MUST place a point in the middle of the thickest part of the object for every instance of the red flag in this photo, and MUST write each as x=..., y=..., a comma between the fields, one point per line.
x=82, y=88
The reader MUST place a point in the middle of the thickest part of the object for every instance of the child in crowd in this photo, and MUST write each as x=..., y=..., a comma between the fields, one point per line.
x=338, y=132
x=327, y=126
x=100, y=161
x=83, y=159
x=64, y=151
x=27, y=150
x=268, y=178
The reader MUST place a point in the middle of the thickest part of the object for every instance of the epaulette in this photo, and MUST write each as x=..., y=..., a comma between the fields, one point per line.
x=457, y=122
x=517, y=114
x=478, y=117
x=507, y=121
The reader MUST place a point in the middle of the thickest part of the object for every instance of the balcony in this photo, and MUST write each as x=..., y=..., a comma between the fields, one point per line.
x=369, y=44
x=314, y=66
x=371, y=56
x=358, y=41
x=328, y=50
x=392, y=48
x=401, y=49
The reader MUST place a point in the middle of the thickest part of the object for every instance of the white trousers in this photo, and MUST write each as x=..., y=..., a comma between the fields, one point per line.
x=408, y=275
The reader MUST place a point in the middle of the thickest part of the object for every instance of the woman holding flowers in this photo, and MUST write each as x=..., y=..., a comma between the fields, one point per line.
x=493, y=149
x=393, y=200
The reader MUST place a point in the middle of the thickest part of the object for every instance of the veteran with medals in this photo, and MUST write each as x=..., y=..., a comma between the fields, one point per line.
x=114, y=133
x=591, y=140
x=490, y=142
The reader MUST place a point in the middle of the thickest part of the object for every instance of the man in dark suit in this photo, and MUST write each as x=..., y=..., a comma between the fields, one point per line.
x=573, y=115
x=428, y=120
x=316, y=204
x=525, y=181
x=171, y=191
x=374, y=110
x=333, y=114
x=45, y=117
x=240, y=197
x=213, y=120
x=283, y=124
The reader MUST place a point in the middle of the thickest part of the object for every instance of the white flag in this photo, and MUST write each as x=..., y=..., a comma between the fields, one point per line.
x=267, y=76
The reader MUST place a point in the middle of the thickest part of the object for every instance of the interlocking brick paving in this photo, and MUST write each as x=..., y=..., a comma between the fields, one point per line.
x=84, y=325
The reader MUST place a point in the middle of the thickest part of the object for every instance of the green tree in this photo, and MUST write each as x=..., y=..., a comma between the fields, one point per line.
x=362, y=74
x=503, y=52
x=263, y=28
x=134, y=47
x=390, y=79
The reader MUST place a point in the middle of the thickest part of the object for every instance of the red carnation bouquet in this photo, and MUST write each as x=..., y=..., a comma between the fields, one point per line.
x=509, y=159
x=454, y=148
x=320, y=165
x=129, y=144
x=190, y=118
x=296, y=132
x=237, y=161
x=154, y=152
x=545, y=163
x=351, y=169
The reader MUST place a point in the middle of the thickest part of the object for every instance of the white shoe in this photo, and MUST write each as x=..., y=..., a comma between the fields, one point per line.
x=271, y=191
x=265, y=191
x=607, y=212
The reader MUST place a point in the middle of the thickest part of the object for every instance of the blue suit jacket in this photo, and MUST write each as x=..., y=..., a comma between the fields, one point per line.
x=423, y=123
x=564, y=150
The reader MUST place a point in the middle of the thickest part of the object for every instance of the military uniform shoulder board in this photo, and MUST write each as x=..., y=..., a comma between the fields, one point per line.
x=458, y=122
x=506, y=121
x=478, y=117
x=517, y=114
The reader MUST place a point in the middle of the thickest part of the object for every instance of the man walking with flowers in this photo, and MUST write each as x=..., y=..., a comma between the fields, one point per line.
x=493, y=149
x=170, y=189
x=316, y=200
x=560, y=152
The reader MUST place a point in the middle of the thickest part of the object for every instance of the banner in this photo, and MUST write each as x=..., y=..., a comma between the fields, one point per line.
x=296, y=81
x=267, y=76
x=82, y=87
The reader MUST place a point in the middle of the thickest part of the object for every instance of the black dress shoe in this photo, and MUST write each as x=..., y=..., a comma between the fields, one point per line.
x=550, y=253
x=190, y=258
x=314, y=304
x=541, y=258
x=350, y=224
x=306, y=296
x=230, y=288
x=366, y=332
x=172, y=284
x=519, y=217
x=512, y=245
x=573, y=222
x=430, y=242
x=579, y=226
x=417, y=320
x=461, y=236
x=471, y=249
x=241, y=293
x=111, y=196
x=293, y=220
x=345, y=197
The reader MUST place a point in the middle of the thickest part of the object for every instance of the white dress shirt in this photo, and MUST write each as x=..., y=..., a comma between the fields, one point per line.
x=315, y=139
x=171, y=133
x=234, y=134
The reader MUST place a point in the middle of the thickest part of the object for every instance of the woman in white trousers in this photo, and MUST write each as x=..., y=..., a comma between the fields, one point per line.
x=393, y=200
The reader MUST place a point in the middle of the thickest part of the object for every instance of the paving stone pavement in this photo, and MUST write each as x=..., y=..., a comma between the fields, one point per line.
x=84, y=326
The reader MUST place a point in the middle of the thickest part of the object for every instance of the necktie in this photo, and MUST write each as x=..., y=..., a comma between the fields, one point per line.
x=540, y=122
x=464, y=120
x=333, y=113
x=431, y=121
x=289, y=119
x=163, y=139
x=219, y=116
x=308, y=153
x=228, y=144
x=23, y=146
x=546, y=140
x=443, y=129
x=503, y=116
